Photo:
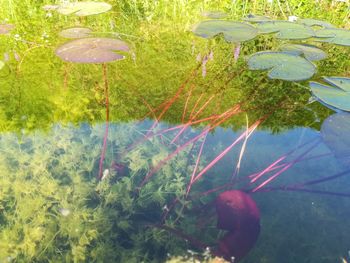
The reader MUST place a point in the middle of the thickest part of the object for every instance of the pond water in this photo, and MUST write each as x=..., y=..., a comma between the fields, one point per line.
x=119, y=145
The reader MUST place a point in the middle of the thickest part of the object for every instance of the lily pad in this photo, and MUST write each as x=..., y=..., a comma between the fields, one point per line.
x=286, y=29
x=310, y=52
x=337, y=95
x=334, y=35
x=282, y=65
x=256, y=18
x=84, y=8
x=233, y=31
x=315, y=22
x=92, y=50
x=6, y=28
x=335, y=134
x=76, y=32
x=2, y=64
x=214, y=14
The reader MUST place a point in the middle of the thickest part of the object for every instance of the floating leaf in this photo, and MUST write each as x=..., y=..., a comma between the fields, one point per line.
x=6, y=28
x=315, y=22
x=214, y=14
x=335, y=134
x=334, y=35
x=286, y=29
x=256, y=18
x=337, y=95
x=92, y=50
x=76, y=32
x=310, y=52
x=233, y=31
x=283, y=65
x=84, y=8
x=2, y=64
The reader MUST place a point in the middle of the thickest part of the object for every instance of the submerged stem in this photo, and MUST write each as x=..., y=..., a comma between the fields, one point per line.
x=104, y=147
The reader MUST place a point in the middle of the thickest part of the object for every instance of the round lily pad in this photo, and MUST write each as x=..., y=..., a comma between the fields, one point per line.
x=84, y=8
x=337, y=95
x=214, y=14
x=286, y=29
x=334, y=35
x=282, y=65
x=335, y=134
x=6, y=28
x=310, y=52
x=92, y=50
x=76, y=32
x=315, y=22
x=233, y=31
x=256, y=18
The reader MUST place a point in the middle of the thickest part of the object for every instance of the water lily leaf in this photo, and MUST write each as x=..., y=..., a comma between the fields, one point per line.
x=6, y=28
x=283, y=65
x=334, y=35
x=337, y=95
x=286, y=29
x=310, y=52
x=2, y=64
x=256, y=18
x=315, y=22
x=233, y=31
x=84, y=8
x=335, y=134
x=214, y=14
x=76, y=32
x=92, y=50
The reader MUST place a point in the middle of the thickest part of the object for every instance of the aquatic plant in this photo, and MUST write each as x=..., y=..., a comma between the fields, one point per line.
x=282, y=65
x=336, y=96
x=234, y=32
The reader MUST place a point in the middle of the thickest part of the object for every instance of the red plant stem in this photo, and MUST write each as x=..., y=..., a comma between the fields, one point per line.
x=196, y=166
x=223, y=153
x=273, y=166
x=192, y=118
x=175, y=97
x=226, y=115
x=195, y=105
x=105, y=137
x=171, y=155
x=186, y=103
x=286, y=167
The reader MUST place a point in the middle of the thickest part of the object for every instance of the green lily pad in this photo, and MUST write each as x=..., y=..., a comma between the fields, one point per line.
x=310, y=52
x=76, y=32
x=233, y=31
x=282, y=65
x=84, y=8
x=315, y=22
x=337, y=95
x=92, y=50
x=6, y=28
x=286, y=29
x=214, y=14
x=334, y=35
x=256, y=18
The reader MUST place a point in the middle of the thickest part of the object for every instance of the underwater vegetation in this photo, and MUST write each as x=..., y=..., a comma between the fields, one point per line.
x=131, y=140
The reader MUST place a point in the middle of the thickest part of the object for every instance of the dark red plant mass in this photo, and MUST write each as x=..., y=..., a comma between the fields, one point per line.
x=239, y=215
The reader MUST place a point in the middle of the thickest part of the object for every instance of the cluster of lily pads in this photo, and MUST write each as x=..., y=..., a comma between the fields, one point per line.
x=294, y=61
